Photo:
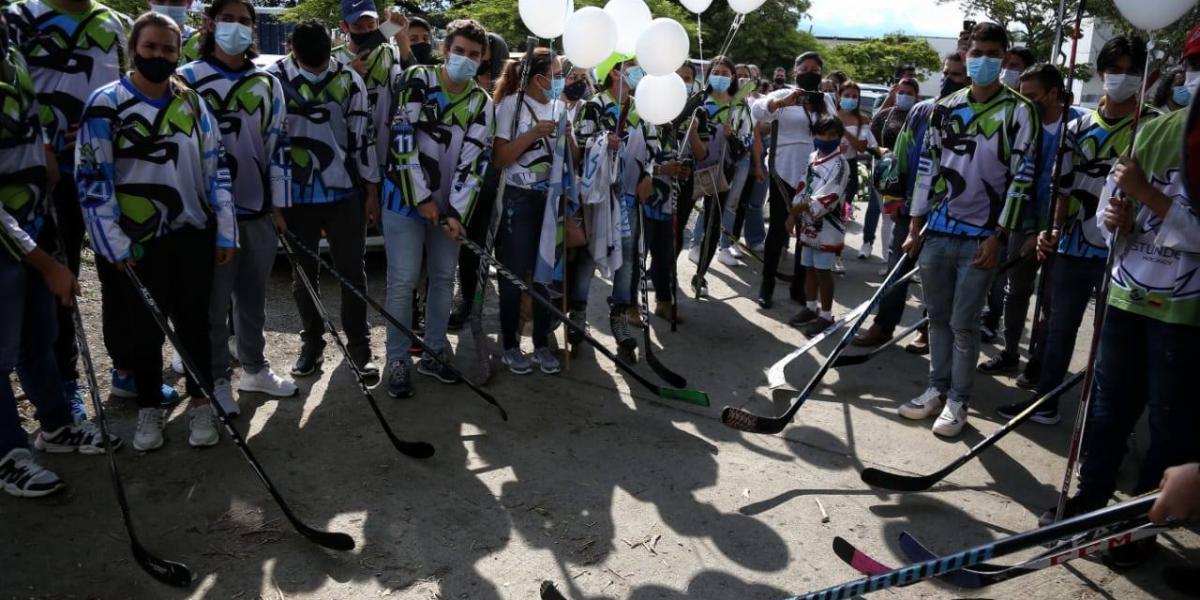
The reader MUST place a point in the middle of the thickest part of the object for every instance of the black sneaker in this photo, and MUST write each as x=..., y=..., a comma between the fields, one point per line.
x=766, y=294
x=1003, y=364
x=311, y=357
x=1046, y=414
x=578, y=317
x=438, y=368
x=816, y=326
x=1128, y=556
x=459, y=317
x=399, y=380
x=804, y=317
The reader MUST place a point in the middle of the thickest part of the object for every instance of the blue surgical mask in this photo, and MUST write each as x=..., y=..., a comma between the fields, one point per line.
x=633, y=75
x=233, y=38
x=983, y=70
x=720, y=83
x=905, y=101
x=313, y=77
x=1181, y=95
x=175, y=13
x=556, y=88
x=461, y=69
x=848, y=103
x=826, y=146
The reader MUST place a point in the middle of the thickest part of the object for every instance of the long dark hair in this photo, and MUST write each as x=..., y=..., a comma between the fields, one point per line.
x=153, y=19
x=510, y=79
x=208, y=43
x=727, y=62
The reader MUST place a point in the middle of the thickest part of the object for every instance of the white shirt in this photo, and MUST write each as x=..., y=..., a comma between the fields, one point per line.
x=795, y=133
x=861, y=133
x=533, y=166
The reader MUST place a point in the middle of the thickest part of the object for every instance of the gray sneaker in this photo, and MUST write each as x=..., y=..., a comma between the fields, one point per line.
x=516, y=361
x=400, y=380
x=544, y=358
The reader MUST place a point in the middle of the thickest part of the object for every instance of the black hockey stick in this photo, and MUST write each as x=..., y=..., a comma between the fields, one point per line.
x=689, y=396
x=672, y=378
x=915, y=483
x=391, y=319
x=549, y=592
x=329, y=539
x=858, y=359
x=410, y=449
x=743, y=420
x=904, y=576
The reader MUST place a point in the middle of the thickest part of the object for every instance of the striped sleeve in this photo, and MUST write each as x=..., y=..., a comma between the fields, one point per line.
x=361, y=144
x=929, y=158
x=95, y=178
x=1024, y=133
x=13, y=239
x=468, y=176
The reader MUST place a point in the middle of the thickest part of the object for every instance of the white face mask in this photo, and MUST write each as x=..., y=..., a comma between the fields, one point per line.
x=1011, y=78
x=1192, y=80
x=1121, y=87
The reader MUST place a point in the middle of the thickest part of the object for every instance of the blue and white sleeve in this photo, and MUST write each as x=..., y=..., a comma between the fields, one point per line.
x=95, y=178
x=216, y=173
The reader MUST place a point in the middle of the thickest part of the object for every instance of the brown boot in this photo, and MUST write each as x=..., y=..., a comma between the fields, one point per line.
x=662, y=308
x=873, y=336
x=919, y=346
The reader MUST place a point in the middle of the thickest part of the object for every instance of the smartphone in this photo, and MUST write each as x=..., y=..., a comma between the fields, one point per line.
x=968, y=25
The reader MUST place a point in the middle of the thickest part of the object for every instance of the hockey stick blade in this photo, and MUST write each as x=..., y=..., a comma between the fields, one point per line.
x=914, y=483
x=169, y=572
x=858, y=359
x=684, y=395
x=741, y=420
x=549, y=592
x=672, y=378
x=857, y=559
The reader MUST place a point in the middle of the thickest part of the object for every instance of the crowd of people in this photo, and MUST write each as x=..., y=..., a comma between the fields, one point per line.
x=176, y=156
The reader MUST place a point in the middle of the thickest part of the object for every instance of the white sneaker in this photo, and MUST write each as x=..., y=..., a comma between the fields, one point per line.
x=223, y=394
x=177, y=363
x=950, y=423
x=267, y=382
x=736, y=252
x=924, y=406
x=694, y=254
x=149, y=435
x=202, y=425
x=727, y=258
x=865, y=252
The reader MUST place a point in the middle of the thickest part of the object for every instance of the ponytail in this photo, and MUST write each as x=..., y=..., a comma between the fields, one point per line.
x=510, y=77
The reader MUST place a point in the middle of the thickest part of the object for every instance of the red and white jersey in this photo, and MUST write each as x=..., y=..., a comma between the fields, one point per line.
x=823, y=190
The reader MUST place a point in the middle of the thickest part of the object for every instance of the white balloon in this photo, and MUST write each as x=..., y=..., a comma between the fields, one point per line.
x=660, y=98
x=662, y=46
x=745, y=6
x=545, y=18
x=696, y=6
x=1152, y=16
x=631, y=17
x=589, y=37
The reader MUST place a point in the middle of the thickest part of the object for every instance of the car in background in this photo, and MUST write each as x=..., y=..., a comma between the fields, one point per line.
x=873, y=96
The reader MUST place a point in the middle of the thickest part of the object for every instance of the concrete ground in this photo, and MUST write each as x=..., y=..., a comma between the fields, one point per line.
x=594, y=483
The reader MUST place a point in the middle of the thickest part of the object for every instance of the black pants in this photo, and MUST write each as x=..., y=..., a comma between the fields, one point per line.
x=344, y=224
x=658, y=240
x=70, y=225
x=777, y=239
x=519, y=236
x=178, y=270
x=477, y=228
x=684, y=203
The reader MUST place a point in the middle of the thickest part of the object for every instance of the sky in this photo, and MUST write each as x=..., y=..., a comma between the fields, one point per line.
x=862, y=18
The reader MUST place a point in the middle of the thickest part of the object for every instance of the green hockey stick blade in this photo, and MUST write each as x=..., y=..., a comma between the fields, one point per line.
x=689, y=396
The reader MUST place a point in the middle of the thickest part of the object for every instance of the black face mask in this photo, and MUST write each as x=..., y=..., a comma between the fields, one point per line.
x=577, y=91
x=423, y=52
x=808, y=81
x=369, y=40
x=155, y=70
x=950, y=86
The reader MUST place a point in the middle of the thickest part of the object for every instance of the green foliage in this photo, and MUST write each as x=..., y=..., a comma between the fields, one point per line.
x=876, y=60
x=133, y=8
x=1169, y=40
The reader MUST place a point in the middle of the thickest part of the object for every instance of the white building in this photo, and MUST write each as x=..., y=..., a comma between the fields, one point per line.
x=931, y=80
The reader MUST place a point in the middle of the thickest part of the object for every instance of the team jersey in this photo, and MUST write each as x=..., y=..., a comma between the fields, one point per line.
x=910, y=143
x=735, y=114
x=532, y=169
x=439, y=142
x=70, y=56
x=249, y=108
x=1156, y=273
x=821, y=224
x=601, y=114
x=647, y=147
x=382, y=76
x=22, y=160
x=331, y=142
x=190, y=51
x=1093, y=145
x=149, y=166
x=985, y=155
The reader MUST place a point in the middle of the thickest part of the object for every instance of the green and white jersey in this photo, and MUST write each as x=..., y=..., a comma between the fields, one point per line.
x=1156, y=273
x=331, y=142
x=250, y=112
x=22, y=160
x=190, y=51
x=532, y=169
x=381, y=79
x=601, y=114
x=70, y=56
x=439, y=144
x=149, y=166
x=1092, y=147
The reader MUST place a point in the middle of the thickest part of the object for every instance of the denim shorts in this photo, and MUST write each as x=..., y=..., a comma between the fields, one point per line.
x=816, y=259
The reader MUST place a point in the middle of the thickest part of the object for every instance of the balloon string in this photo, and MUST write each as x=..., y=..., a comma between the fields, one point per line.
x=700, y=39
x=734, y=26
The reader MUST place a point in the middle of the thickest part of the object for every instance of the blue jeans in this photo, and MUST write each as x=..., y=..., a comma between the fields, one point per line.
x=1142, y=363
x=406, y=240
x=580, y=271
x=891, y=305
x=626, y=274
x=1073, y=281
x=28, y=326
x=520, y=232
x=955, y=293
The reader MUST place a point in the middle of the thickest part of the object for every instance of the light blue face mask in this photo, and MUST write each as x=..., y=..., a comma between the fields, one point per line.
x=848, y=103
x=1181, y=95
x=633, y=75
x=313, y=77
x=557, y=84
x=175, y=13
x=720, y=83
x=460, y=68
x=983, y=70
x=234, y=38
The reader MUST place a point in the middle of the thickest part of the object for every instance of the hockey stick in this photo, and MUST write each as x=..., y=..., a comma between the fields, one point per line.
x=329, y=539
x=672, y=378
x=858, y=359
x=549, y=592
x=410, y=449
x=942, y=565
x=289, y=239
x=743, y=420
x=689, y=396
x=910, y=483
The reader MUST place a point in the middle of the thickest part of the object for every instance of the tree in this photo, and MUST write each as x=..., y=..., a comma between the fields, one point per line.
x=877, y=60
x=1169, y=40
